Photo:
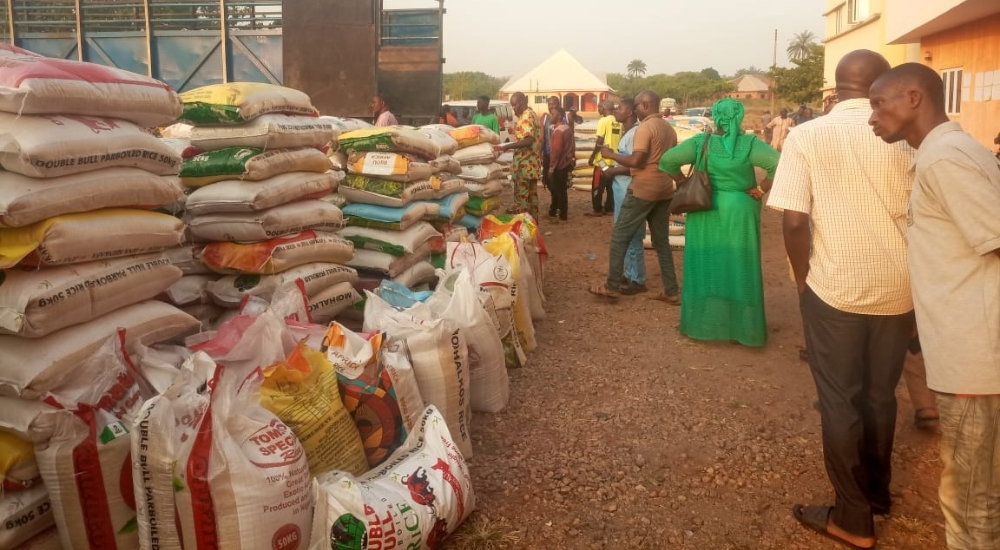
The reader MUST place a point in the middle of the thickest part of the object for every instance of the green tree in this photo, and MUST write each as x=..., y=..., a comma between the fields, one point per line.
x=636, y=68
x=800, y=45
x=802, y=83
x=750, y=70
x=470, y=85
x=711, y=74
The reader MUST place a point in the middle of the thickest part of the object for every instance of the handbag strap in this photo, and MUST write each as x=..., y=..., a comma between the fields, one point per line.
x=703, y=156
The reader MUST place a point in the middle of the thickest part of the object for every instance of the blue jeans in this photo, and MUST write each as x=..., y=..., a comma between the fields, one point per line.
x=635, y=259
x=634, y=215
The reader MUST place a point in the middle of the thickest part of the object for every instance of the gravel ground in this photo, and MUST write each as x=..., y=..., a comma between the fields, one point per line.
x=621, y=433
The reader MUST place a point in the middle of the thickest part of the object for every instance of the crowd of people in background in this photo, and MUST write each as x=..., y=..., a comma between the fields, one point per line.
x=891, y=228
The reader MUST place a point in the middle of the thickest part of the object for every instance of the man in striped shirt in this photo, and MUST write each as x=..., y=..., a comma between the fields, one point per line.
x=844, y=194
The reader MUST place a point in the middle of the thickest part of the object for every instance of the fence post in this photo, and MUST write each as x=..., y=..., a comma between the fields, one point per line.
x=10, y=21
x=224, y=34
x=150, y=67
x=79, y=30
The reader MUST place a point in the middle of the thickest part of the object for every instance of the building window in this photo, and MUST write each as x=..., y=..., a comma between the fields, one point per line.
x=857, y=11
x=838, y=21
x=952, y=90
x=541, y=99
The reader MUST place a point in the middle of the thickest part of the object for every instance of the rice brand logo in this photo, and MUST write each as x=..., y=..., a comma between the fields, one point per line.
x=438, y=533
x=501, y=273
x=348, y=533
x=244, y=283
x=451, y=480
x=244, y=153
x=119, y=400
x=288, y=537
x=275, y=444
x=420, y=488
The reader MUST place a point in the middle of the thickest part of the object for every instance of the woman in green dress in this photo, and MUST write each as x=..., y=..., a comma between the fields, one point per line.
x=723, y=295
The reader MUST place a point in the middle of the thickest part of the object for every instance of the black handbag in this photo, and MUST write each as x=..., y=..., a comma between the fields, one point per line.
x=694, y=192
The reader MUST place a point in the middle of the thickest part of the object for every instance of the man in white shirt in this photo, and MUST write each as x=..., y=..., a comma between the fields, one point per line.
x=844, y=195
x=954, y=236
x=380, y=110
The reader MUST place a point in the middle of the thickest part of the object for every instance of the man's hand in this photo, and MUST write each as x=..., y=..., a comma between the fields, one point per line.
x=606, y=152
x=498, y=150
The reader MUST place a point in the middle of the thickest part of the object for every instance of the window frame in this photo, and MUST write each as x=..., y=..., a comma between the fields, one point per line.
x=853, y=14
x=952, y=78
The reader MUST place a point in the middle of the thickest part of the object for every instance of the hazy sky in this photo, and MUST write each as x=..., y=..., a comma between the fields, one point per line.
x=670, y=36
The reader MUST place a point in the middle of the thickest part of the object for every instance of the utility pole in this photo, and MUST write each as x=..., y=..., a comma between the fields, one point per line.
x=774, y=65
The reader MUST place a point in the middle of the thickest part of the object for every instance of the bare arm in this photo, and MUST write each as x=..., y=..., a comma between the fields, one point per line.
x=519, y=144
x=798, y=241
x=597, y=149
x=636, y=160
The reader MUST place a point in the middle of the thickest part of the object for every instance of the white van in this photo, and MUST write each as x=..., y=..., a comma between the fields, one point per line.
x=464, y=110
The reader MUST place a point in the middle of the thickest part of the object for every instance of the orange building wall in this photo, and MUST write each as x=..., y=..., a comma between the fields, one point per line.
x=975, y=47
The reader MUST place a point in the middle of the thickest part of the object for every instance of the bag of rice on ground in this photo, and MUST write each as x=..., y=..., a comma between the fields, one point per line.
x=247, y=196
x=229, y=291
x=396, y=243
x=389, y=166
x=479, y=206
x=483, y=153
x=392, y=219
x=474, y=134
x=239, y=102
x=389, y=140
x=277, y=255
x=267, y=132
x=419, y=497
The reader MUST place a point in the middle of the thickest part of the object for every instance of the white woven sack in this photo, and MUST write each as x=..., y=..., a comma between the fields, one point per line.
x=387, y=263
x=186, y=259
x=439, y=354
x=268, y=131
x=229, y=291
x=93, y=236
x=492, y=188
x=421, y=494
x=420, y=273
x=410, y=240
x=280, y=221
x=31, y=84
x=189, y=290
x=484, y=153
x=447, y=164
x=31, y=368
x=481, y=173
x=24, y=200
x=24, y=514
x=59, y=145
x=248, y=196
x=328, y=303
x=35, y=303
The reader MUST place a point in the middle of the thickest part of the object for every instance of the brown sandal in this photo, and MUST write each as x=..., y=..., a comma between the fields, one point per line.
x=603, y=291
x=674, y=300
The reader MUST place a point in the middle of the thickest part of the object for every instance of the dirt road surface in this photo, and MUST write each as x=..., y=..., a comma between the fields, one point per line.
x=624, y=434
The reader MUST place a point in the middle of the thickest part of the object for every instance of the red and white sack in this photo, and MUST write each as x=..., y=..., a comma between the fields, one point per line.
x=481, y=173
x=279, y=221
x=24, y=200
x=242, y=478
x=35, y=303
x=189, y=290
x=24, y=515
x=48, y=146
x=248, y=196
x=31, y=85
x=159, y=427
x=267, y=131
x=230, y=291
x=438, y=351
x=89, y=237
x=87, y=465
x=159, y=364
x=277, y=255
x=32, y=368
x=484, y=153
x=417, y=499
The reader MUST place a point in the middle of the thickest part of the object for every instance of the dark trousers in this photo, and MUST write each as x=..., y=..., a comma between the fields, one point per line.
x=559, y=187
x=632, y=217
x=856, y=361
x=546, y=180
x=602, y=186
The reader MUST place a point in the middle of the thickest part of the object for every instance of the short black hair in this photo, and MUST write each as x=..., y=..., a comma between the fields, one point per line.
x=628, y=101
x=483, y=98
x=924, y=78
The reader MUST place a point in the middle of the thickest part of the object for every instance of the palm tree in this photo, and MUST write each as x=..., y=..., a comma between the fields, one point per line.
x=636, y=68
x=799, y=45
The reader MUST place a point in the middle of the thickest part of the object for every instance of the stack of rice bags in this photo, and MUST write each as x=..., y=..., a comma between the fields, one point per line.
x=399, y=182
x=586, y=142
x=482, y=174
x=80, y=258
x=256, y=205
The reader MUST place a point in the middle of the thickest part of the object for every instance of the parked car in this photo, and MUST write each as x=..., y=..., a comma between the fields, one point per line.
x=689, y=126
x=463, y=111
x=699, y=111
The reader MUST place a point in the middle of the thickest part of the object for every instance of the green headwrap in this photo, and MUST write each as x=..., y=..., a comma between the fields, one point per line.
x=728, y=114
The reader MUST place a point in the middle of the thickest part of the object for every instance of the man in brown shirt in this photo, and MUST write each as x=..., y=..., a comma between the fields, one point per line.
x=647, y=200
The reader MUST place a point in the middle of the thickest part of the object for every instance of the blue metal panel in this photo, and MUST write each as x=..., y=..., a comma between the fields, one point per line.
x=124, y=50
x=257, y=57
x=411, y=27
x=188, y=59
